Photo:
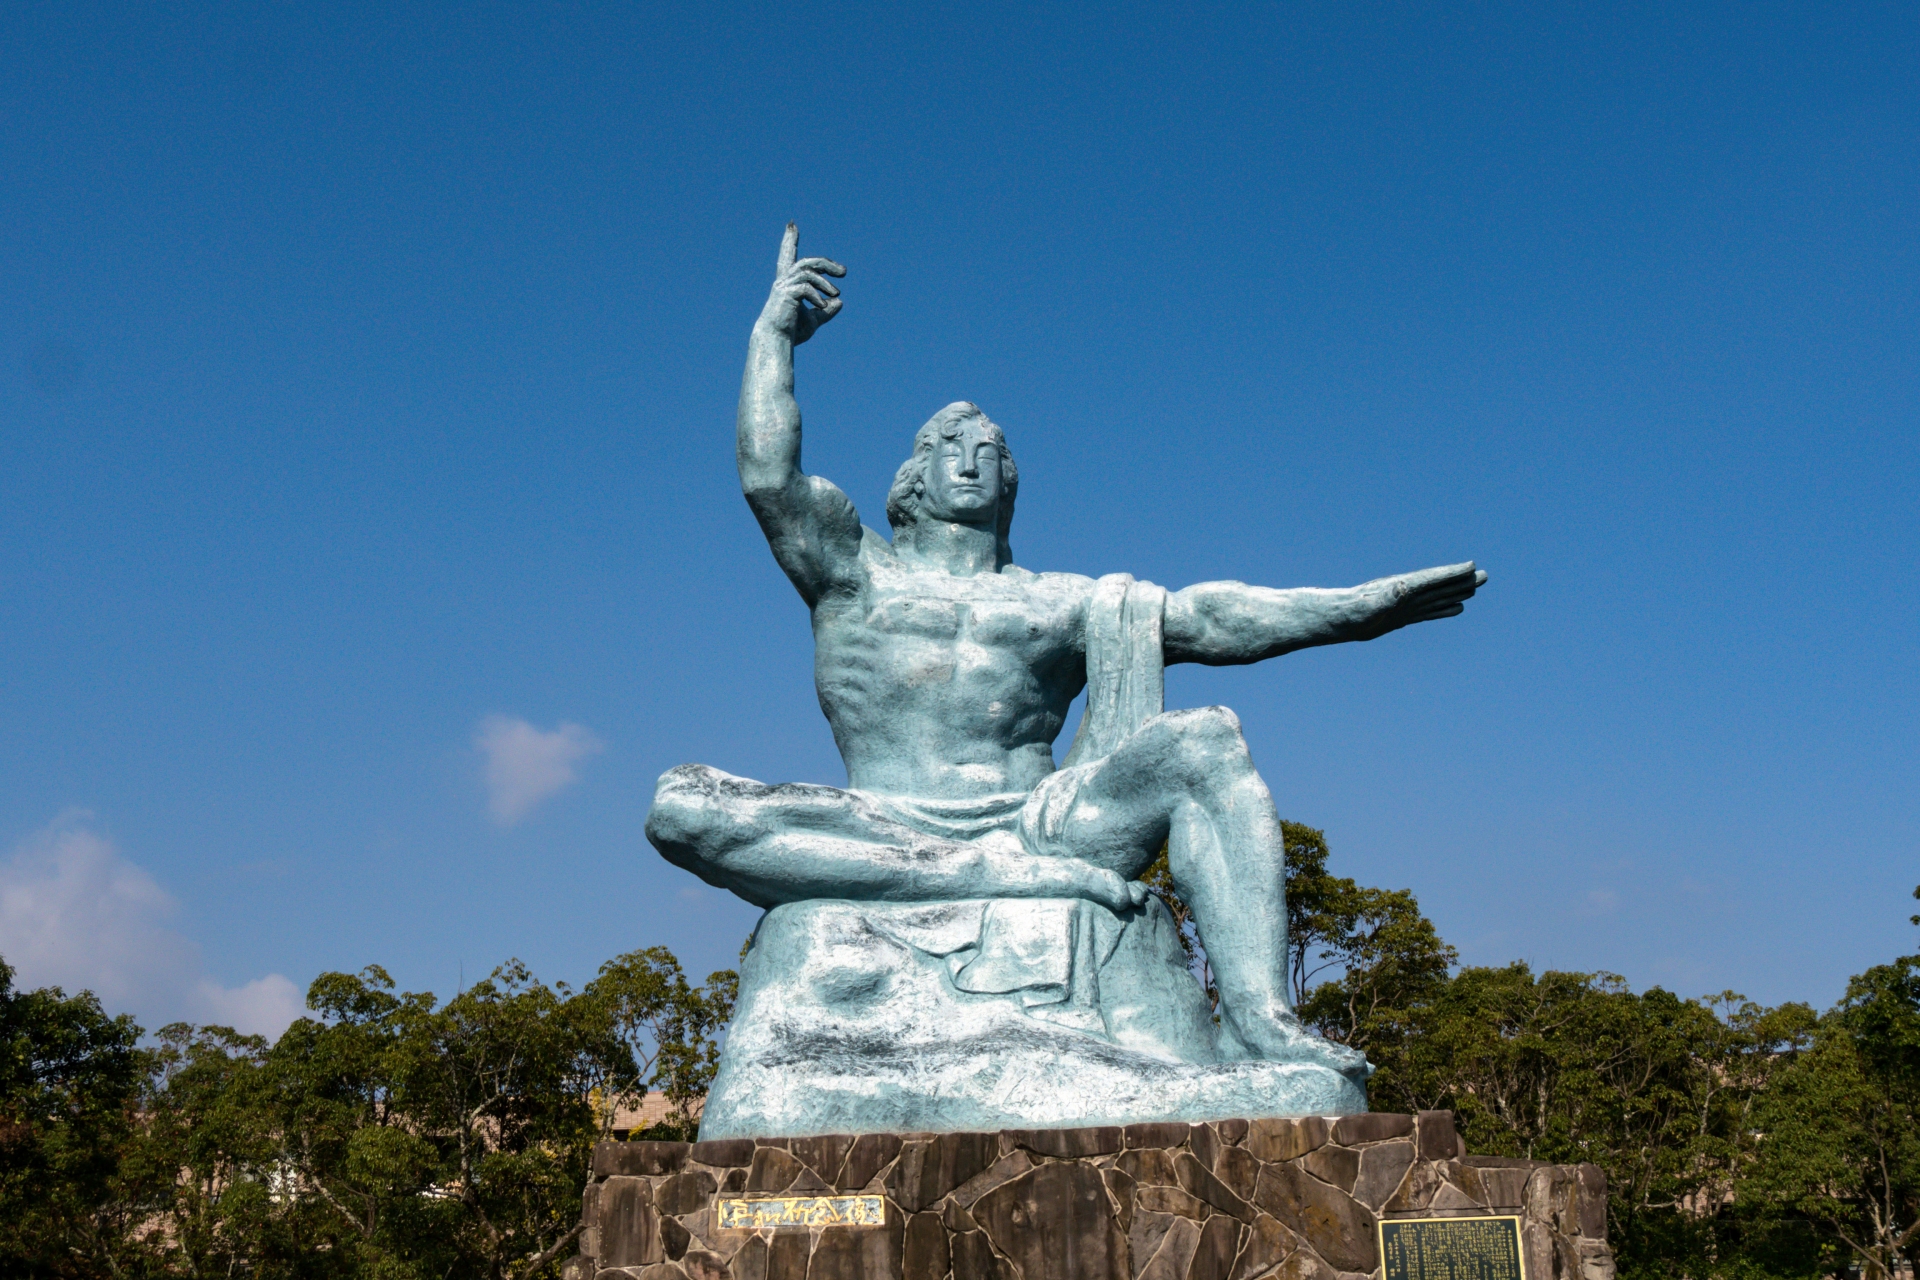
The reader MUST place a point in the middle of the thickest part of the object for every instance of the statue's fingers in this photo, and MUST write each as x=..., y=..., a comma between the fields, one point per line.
x=830, y=309
x=1480, y=578
x=813, y=278
x=1441, y=611
x=811, y=294
x=825, y=266
x=789, y=246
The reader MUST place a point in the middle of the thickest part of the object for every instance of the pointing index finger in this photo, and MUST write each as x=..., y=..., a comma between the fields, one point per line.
x=789, y=244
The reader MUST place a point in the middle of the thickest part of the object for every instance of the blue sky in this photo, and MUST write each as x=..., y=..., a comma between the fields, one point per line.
x=371, y=539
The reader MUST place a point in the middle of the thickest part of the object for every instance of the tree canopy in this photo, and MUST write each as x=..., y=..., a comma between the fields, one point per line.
x=391, y=1134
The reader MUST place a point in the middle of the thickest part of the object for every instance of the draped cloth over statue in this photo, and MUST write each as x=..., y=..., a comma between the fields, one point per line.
x=1000, y=1013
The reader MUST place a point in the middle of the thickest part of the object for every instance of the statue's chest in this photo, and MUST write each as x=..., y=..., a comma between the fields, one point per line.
x=984, y=623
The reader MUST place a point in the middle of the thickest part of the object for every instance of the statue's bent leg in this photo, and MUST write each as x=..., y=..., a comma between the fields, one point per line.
x=796, y=841
x=1186, y=777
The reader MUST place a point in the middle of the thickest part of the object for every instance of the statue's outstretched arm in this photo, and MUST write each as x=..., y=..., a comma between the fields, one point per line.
x=810, y=524
x=1224, y=623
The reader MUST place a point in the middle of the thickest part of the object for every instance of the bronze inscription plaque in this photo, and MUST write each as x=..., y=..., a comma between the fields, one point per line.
x=1450, y=1249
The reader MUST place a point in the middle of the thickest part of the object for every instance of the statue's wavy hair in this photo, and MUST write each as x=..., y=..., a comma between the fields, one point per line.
x=910, y=482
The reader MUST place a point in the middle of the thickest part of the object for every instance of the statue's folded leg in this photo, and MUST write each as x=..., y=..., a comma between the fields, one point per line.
x=1186, y=778
x=794, y=841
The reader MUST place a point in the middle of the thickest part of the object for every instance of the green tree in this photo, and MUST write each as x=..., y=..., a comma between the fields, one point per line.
x=1839, y=1146
x=70, y=1078
x=669, y=1030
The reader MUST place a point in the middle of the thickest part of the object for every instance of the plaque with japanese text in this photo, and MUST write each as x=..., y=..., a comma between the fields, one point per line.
x=1451, y=1249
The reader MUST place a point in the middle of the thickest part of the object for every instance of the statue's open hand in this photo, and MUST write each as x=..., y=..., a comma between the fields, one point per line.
x=1421, y=597
x=803, y=298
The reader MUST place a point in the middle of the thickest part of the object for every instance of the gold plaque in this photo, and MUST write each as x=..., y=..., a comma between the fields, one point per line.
x=803, y=1211
x=1451, y=1249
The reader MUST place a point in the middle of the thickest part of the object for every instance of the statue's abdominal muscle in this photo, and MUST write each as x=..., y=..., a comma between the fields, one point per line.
x=972, y=691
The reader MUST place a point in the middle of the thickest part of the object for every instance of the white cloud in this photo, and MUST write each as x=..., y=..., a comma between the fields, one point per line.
x=525, y=765
x=76, y=914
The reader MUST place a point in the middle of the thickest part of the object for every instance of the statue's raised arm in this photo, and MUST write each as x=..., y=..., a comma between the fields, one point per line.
x=1227, y=623
x=810, y=524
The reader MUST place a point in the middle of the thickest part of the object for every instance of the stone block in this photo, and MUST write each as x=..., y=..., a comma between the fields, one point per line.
x=1505, y=1190
x=629, y=1226
x=1381, y=1169
x=1174, y=1253
x=1537, y=1253
x=726, y=1153
x=674, y=1238
x=701, y=1265
x=1144, y=1235
x=1198, y=1181
x=856, y=1253
x=924, y=1254
x=787, y=1255
x=590, y=1221
x=826, y=1156
x=1231, y=1131
x=774, y=1170
x=1305, y=1266
x=1067, y=1144
x=1553, y=1197
x=1005, y=1169
x=1169, y=1200
x=1204, y=1143
x=688, y=1192
x=1268, y=1243
x=955, y=1219
x=1593, y=1201
x=1338, y=1228
x=1286, y=1139
x=870, y=1153
x=1149, y=1166
x=1371, y=1126
x=1120, y=1190
x=1214, y=1253
x=1416, y=1191
x=1449, y=1199
x=1239, y=1170
x=750, y=1260
x=1156, y=1135
x=1337, y=1165
x=637, y=1159
x=928, y=1170
x=1596, y=1260
x=1437, y=1138
x=973, y=1257
x=1056, y=1223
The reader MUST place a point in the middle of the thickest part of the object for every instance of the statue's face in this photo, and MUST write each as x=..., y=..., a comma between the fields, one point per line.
x=963, y=483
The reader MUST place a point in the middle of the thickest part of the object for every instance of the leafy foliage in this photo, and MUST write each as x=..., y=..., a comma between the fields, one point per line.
x=70, y=1077
x=393, y=1136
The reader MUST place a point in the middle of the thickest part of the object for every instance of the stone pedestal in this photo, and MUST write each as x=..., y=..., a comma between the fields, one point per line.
x=1230, y=1200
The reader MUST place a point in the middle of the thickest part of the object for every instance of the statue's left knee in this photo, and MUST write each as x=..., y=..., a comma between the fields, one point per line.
x=1208, y=734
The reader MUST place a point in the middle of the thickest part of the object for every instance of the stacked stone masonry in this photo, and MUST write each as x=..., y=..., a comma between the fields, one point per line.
x=1230, y=1200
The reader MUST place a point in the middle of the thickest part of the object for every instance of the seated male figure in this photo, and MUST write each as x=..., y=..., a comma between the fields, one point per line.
x=946, y=672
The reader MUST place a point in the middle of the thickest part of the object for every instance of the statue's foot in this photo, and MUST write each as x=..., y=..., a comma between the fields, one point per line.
x=1284, y=1038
